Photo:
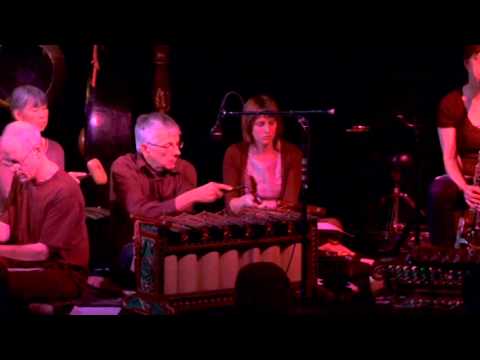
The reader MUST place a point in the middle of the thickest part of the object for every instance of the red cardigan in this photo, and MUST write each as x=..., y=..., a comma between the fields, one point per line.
x=235, y=162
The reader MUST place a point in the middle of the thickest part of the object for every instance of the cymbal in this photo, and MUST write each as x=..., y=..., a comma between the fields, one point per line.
x=358, y=129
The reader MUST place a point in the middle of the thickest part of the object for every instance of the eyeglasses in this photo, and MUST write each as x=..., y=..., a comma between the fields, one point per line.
x=11, y=163
x=168, y=146
x=40, y=108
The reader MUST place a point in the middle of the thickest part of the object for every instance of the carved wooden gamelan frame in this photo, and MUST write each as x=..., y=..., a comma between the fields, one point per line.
x=152, y=246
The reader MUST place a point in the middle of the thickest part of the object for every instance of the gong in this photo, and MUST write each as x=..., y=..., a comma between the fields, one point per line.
x=42, y=66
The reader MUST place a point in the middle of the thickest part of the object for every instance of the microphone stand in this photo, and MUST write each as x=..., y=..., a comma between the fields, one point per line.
x=418, y=213
x=306, y=291
x=418, y=178
x=293, y=113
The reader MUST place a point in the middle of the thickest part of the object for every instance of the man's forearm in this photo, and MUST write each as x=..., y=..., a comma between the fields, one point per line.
x=29, y=252
x=185, y=200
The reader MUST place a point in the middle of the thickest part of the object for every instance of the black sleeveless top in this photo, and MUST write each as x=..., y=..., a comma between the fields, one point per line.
x=452, y=113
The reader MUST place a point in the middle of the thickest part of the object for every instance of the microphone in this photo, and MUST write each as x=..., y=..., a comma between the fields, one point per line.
x=217, y=132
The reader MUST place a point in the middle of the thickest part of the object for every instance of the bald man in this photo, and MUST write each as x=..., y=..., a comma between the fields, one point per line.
x=43, y=226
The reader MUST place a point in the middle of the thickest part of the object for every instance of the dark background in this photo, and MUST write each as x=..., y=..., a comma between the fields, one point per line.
x=366, y=84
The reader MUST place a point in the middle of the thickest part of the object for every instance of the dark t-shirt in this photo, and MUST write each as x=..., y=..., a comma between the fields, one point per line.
x=52, y=213
x=453, y=114
x=54, y=152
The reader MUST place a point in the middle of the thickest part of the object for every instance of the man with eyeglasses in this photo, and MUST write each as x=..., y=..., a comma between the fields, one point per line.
x=154, y=181
x=44, y=248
